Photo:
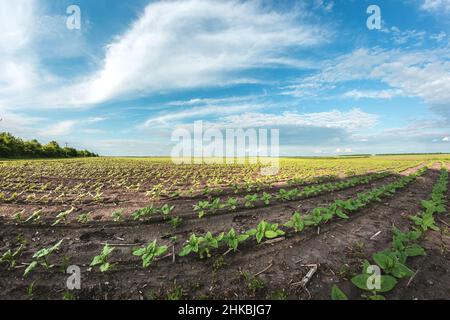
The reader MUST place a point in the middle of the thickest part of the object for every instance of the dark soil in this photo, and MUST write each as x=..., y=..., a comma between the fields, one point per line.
x=338, y=249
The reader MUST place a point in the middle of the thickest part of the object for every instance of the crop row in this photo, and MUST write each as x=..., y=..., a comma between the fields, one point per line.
x=216, y=206
x=204, y=245
x=404, y=245
x=86, y=180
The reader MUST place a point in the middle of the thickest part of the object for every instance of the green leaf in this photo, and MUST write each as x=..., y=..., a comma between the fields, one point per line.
x=105, y=267
x=341, y=214
x=384, y=261
x=387, y=283
x=414, y=250
x=361, y=281
x=107, y=249
x=160, y=250
x=271, y=234
x=97, y=260
x=185, y=251
x=259, y=237
x=30, y=268
x=56, y=246
x=401, y=271
x=243, y=237
x=337, y=294
x=41, y=253
x=139, y=252
x=377, y=297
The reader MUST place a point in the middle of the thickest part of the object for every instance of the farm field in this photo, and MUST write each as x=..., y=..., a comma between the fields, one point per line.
x=144, y=228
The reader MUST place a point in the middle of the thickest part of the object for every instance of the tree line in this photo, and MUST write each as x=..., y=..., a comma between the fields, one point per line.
x=13, y=147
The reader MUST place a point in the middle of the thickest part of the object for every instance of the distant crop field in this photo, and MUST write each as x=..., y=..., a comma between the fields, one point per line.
x=145, y=228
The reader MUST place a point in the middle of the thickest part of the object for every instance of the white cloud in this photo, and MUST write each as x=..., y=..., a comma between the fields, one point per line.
x=96, y=119
x=446, y=139
x=372, y=94
x=28, y=36
x=324, y=4
x=424, y=74
x=61, y=128
x=186, y=44
x=401, y=37
x=352, y=120
x=18, y=123
x=172, y=45
x=19, y=70
x=344, y=150
x=436, y=5
x=198, y=113
x=439, y=36
x=213, y=101
x=66, y=127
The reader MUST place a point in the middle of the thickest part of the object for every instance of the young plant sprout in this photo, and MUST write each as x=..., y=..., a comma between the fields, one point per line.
x=41, y=258
x=149, y=253
x=102, y=259
x=117, y=215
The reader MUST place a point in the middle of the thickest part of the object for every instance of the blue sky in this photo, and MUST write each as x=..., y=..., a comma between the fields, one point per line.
x=137, y=70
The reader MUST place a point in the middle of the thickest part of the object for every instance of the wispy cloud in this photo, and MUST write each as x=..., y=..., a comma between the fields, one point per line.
x=28, y=39
x=187, y=44
x=19, y=123
x=66, y=127
x=373, y=94
x=424, y=74
x=198, y=113
x=351, y=120
x=436, y=5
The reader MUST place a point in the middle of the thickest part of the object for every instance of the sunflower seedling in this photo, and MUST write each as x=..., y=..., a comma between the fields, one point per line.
x=254, y=283
x=337, y=294
x=201, y=245
x=144, y=213
x=266, y=197
x=202, y=207
x=63, y=216
x=232, y=203
x=425, y=221
x=216, y=205
x=392, y=264
x=102, y=259
x=175, y=222
x=10, y=256
x=41, y=257
x=265, y=230
x=296, y=222
x=250, y=200
x=35, y=216
x=117, y=215
x=166, y=210
x=232, y=239
x=149, y=253
x=84, y=218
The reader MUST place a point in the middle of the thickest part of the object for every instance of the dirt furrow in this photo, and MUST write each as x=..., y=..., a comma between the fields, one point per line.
x=217, y=278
